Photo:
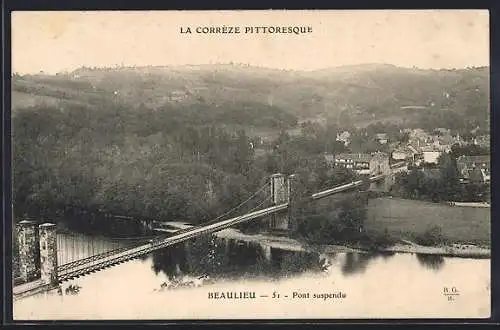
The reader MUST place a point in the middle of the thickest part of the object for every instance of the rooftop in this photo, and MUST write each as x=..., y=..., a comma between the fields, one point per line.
x=406, y=149
x=355, y=157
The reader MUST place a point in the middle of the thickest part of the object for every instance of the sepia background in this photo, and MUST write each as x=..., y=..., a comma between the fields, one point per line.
x=425, y=39
x=354, y=69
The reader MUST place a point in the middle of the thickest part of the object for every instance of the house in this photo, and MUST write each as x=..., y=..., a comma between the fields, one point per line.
x=344, y=137
x=360, y=163
x=381, y=138
x=431, y=154
x=442, y=145
x=404, y=153
x=474, y=168
x=363, y=164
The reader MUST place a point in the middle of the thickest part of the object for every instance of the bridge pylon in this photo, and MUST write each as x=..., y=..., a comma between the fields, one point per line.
x=27, y=240
x=48, y=253
x=37, y=246
x=294, y=195
x=283, y=190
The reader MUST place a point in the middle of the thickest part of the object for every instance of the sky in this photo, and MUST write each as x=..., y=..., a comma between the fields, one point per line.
x=63, y=41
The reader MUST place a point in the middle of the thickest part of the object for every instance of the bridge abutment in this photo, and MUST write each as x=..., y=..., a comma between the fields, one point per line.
x=48, y=253
x=27, y=236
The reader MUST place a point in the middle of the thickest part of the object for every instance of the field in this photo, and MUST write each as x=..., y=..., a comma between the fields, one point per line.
x=405, y=218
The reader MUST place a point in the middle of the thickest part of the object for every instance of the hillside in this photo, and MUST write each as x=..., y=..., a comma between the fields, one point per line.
x=235, y=94
x=177, y=142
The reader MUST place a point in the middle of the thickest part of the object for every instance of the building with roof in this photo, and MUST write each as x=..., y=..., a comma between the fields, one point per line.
x=363, y=164
x=430, y=154
x=405, y=153
x=368, y=165
x=381, y=138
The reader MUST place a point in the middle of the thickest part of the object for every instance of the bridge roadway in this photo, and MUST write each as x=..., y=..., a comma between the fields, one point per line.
x=118, y=256
x=111, y=258
x=346, y=187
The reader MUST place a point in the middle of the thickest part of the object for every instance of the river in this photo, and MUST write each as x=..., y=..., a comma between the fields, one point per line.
x=285, y=285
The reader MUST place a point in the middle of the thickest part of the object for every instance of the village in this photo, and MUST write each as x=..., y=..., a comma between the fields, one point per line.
x=422, y=150
x=418, y=148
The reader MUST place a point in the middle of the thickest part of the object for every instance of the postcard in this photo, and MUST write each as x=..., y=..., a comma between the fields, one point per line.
x=272, y=164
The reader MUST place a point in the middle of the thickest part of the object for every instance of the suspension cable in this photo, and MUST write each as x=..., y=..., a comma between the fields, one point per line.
x=100, y=244
x=261, y=203
x=241, y=204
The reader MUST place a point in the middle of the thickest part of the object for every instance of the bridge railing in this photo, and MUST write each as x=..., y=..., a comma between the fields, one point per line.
x=106, y=254
x=211, y=226
x=399, y=164
x=337, y=189
x=147, y=248
x=90, y=259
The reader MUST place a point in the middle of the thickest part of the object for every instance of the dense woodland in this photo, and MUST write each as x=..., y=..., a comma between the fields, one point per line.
x=109, y=142
x=127, y=162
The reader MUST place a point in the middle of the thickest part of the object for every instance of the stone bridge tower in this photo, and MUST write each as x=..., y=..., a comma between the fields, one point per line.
x=37, y=252
x=379, y=164
x=283, y=190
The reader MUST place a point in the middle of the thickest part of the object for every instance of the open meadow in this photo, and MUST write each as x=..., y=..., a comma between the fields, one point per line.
x=404, y=219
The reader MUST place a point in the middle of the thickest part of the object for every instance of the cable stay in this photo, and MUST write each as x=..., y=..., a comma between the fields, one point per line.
x=97, y=248
x=242, y=203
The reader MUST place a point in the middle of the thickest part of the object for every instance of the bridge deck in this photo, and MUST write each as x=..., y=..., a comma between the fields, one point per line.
x=120, y=256
x=95, y=263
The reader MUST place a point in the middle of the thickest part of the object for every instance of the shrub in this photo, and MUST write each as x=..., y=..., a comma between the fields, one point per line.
x=376, y=240
x=431, y=237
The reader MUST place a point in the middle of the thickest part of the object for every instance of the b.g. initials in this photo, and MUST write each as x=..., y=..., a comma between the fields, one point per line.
x=450, y=293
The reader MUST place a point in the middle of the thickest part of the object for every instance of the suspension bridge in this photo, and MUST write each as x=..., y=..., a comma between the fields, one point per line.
x=271, y=200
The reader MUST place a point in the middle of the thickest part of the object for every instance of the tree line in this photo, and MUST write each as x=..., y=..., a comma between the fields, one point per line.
x=123, y=161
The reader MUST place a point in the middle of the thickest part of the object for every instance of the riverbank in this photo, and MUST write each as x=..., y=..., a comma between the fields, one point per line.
x=405, y=246
x=402, y=246
x=453, y=250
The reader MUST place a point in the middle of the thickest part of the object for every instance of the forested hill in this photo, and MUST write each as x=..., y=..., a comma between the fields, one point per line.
x=174, y=143
x=236, y=94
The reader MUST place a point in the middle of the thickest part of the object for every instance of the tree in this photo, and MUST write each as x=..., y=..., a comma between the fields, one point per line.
x=468, y=150
x=449, y=185
x=352, y=215
x=339, y=176
x=403, y=138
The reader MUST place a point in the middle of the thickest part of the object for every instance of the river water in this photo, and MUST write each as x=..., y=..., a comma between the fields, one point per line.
x=272, y=284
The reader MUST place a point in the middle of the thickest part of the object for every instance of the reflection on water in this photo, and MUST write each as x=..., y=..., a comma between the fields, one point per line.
x=356, y=263
x=373, y=283
x=434, y=262
x=207, y=256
